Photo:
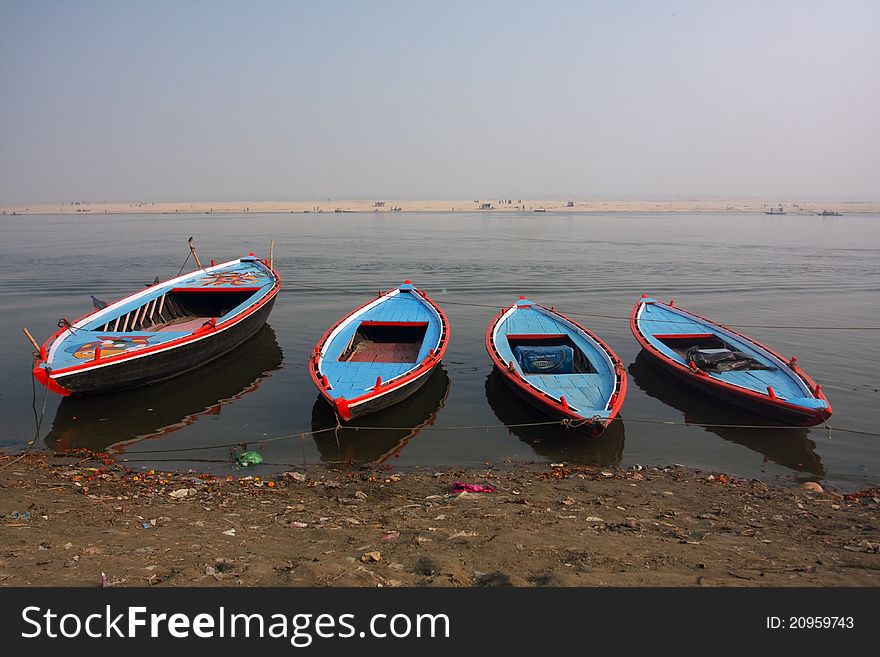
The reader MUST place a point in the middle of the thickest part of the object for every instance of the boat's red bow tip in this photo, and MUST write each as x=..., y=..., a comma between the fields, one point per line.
x=342, y=408
x=43, y=377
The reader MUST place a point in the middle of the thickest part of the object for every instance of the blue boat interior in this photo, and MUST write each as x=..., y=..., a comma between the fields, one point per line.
x=165, y=312
x=557, y=358
x=681, y=337
x=385, y=340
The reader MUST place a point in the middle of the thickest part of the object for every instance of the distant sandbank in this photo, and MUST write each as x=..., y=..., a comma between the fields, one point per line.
x=469, y=205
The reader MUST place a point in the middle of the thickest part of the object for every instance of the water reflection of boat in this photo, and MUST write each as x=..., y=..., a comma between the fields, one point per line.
x=788, y=447
x=371, y=447
x=553, y=441
x=122, y=418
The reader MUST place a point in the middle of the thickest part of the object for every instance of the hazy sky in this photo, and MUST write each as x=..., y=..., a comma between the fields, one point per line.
x=300, y=100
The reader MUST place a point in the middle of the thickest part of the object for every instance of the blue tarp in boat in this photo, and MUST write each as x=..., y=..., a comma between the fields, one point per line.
x=545, y=360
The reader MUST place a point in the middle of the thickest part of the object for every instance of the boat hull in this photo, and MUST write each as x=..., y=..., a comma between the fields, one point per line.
x=771, y=407
x=551, y=409
x=339, y=377
x=394, y=396
x=787, y=414
x=135, y=372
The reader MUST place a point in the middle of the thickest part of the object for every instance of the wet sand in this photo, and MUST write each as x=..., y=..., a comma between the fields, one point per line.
x=444, y=205
x=66, y=519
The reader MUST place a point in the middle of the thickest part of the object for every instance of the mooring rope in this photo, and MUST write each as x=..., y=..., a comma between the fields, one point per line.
x=188, y=256
x=600, y=315
x=38, y=421
x=306, y=434
x=567, y=423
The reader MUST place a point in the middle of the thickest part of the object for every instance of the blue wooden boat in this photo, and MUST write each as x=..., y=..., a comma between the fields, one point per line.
x=164, y=330
x=381, y=353
x=727, y=364
x=557, y=365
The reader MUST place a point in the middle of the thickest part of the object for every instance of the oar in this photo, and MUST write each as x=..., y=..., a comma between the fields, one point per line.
x=271, y=253
x=32, y=341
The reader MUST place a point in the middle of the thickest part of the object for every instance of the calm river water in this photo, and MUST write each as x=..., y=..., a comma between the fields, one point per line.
x=741, y=270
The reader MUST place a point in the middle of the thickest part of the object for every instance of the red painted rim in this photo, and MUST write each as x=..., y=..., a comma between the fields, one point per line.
x=342, y=405
x=116, y=359
x=544, y=399
x=819, y=414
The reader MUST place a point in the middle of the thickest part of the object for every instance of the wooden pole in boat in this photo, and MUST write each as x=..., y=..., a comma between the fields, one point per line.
x=192, y=249
x=32, y=341
x=271, y=254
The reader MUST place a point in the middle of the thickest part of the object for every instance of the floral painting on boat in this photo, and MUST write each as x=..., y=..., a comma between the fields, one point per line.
x=109, y=346
x=221, y=279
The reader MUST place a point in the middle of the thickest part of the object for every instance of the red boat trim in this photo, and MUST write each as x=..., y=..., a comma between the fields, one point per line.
x=819, y=414
x=534, y=336
x=559, y=407
x=811, y=384
x=342, y=408
x=395, y=384
x=216, y=289
x=47, y=345
x=171, y=344
x=661, y=336
x=42, y=375
x=414, y=324
x=342, y=405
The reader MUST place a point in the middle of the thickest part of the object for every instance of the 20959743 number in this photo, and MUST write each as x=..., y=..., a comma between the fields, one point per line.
x=810, y=623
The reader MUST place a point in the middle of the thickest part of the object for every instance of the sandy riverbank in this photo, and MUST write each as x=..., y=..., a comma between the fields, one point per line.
x=514, y=205
x=65, y=520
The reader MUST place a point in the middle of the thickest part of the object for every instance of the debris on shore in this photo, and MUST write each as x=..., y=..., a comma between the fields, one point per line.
x=84, y=519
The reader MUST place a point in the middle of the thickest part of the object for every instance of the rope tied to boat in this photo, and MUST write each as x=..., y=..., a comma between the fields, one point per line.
x=38, y=420
x=575, y=423
x=186, y=260
x=65, y=324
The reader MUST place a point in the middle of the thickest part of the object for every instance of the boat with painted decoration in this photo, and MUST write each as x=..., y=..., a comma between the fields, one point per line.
x=557, y=365
x=381, y=353
x=727, y=364
x=164, y=330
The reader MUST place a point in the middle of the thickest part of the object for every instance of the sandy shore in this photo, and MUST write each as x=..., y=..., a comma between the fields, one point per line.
x=65, y=520
x=514, y=205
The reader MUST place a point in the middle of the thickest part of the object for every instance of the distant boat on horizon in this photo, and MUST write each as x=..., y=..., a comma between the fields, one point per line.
x=777, y=210
x=829, y=213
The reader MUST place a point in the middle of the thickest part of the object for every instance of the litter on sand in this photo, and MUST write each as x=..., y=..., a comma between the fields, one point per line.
x=249, y=458
x=462, y=487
